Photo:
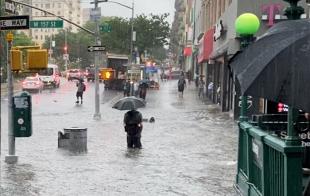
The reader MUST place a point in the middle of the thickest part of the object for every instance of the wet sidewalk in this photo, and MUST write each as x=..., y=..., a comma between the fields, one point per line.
x=189, y=150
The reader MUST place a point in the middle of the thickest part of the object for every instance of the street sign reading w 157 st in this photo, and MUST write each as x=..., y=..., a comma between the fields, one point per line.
x=46, y=24
x=14, y=22
x=95, y=48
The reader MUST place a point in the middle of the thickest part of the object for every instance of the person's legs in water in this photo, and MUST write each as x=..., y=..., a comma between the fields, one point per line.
x=77, y=97
x=137, y=142
x=130, y=141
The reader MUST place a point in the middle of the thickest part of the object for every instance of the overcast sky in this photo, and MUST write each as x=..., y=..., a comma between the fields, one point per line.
x=141, y=6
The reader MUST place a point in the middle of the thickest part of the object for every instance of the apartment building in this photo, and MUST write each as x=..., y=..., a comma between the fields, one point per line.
x=69, y=9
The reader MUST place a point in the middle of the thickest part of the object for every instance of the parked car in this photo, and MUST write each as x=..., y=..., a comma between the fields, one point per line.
x=73, y=74
x=50, y=76
x=32, y=84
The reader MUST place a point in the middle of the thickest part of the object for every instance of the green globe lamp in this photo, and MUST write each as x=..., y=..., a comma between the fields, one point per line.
x=246, y=25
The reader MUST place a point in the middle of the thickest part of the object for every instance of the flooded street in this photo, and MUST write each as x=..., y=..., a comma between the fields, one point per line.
x=189, y=150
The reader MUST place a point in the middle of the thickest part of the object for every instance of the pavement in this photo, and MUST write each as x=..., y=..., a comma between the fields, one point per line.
x=191, y=149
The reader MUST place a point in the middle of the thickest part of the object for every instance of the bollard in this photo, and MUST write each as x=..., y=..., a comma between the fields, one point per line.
x=73, y=139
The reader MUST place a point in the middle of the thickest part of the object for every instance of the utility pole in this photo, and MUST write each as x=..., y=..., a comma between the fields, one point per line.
x=97, y=115
x=11, y=157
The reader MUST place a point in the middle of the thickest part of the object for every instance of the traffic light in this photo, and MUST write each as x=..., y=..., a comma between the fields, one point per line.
x=37, y=59
x=65, y=50
x=107, y=73
x=16, y=60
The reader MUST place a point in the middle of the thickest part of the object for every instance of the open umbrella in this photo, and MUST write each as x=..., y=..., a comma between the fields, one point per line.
x=129, y=103
x=277, y=65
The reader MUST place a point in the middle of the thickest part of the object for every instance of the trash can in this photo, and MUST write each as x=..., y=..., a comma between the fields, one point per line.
x=74, y=139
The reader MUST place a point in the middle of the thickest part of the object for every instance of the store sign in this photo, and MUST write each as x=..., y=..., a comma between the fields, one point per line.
x=219, y=30
x=270, y=11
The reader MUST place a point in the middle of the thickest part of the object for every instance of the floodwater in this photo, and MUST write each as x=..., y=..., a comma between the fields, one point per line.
x=191, y=149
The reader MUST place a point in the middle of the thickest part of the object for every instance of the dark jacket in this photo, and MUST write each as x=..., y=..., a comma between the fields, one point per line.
x=133, y=123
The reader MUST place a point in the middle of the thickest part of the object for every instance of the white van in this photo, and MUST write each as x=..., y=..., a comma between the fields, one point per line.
x=50, y=76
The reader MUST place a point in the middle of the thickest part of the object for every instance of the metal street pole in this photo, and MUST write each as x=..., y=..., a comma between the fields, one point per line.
x=1, y=64
x=131, y=46
x=131, y=39
x=97, y=115
x=66, y=51
x=11, y=157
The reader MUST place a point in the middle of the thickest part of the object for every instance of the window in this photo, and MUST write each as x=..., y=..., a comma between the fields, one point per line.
x=58, y=13
x=36, y=37
x=59, y=5
x=41, y=37
x=47, y=6
x=37, y=13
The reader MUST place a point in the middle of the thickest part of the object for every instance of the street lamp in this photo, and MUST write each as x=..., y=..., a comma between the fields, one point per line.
x=246, y=26
x=131, y=37
x=132, y=15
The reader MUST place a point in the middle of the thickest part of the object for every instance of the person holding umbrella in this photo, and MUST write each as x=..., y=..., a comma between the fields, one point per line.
x=132, y=119
x=133, y=128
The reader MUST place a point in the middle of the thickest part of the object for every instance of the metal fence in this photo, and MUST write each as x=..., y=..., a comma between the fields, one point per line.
x=267, y=165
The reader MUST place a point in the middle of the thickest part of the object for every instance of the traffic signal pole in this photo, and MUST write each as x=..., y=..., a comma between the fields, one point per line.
x=97, y=115
x=11, y=157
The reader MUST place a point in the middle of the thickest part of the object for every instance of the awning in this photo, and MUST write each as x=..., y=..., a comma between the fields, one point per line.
x=206, y=46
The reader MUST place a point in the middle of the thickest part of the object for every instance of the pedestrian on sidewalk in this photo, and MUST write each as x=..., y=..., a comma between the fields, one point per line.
x=181, y=85
x=133, y=128
x=80, y=90
x=201, y=85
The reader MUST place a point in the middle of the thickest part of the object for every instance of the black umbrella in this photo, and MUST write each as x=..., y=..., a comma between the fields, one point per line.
x=129, y=103
x=277, y=65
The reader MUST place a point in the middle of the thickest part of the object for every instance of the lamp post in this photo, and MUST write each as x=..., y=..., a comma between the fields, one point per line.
x=246, y=26
x=131, y=37
x=293, y=13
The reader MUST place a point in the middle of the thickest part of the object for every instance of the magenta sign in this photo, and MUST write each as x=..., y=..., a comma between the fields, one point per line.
x=271, y=10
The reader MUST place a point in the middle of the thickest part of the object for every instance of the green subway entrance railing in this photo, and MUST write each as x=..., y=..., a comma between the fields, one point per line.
x=267, y=165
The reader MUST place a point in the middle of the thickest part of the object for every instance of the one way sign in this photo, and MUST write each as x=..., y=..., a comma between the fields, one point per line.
x=14, y=22
x=95, y=48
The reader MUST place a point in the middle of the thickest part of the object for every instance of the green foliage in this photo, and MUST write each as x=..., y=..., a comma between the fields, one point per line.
x=152, y=34
x=21, y=39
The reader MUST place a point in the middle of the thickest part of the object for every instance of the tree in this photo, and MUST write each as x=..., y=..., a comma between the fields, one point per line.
x=152, y=35
x=21, y=39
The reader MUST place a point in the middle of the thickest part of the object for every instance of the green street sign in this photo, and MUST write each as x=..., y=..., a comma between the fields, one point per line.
x=105, y=28
x=46, y=24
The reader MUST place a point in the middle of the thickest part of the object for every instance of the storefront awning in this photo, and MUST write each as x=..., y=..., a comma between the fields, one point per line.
x=206, y=46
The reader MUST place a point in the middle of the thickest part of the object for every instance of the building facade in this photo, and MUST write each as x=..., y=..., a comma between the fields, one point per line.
x=69, y=9
x=216, y=43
